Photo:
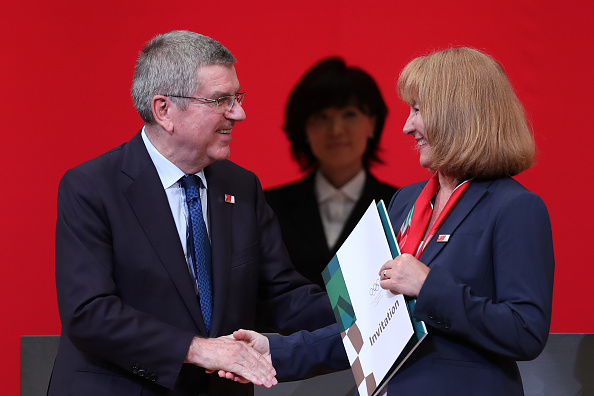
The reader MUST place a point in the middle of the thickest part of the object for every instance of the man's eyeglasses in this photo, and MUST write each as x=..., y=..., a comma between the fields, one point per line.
x=223, y=104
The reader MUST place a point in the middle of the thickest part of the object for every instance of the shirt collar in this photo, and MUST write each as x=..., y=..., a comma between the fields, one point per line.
x=352, y=190
x=168, y=172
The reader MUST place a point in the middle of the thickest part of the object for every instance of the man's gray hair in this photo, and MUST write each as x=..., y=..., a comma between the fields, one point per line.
x=167, y=65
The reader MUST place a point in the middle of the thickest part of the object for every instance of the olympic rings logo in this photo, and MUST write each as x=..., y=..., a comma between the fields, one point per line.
x=375, y=288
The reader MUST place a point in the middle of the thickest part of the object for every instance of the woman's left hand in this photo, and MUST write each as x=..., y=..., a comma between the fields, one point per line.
x=403, y=275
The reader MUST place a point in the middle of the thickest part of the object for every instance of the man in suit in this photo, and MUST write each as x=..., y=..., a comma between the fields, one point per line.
x=134, y=317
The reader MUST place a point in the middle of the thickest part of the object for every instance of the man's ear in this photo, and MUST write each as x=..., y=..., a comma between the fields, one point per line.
x=162, y=107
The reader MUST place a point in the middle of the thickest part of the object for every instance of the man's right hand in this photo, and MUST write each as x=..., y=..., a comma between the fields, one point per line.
x=239, y=359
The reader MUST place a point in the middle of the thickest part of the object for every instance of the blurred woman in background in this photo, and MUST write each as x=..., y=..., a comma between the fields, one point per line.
x=334, y=119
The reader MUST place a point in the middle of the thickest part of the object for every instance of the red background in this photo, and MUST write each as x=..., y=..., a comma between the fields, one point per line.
x=67, y=66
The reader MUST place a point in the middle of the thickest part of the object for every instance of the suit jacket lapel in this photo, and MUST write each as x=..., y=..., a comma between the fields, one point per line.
x=306, y=216
x=220, y=236
x=463, y=207
x=149, y=202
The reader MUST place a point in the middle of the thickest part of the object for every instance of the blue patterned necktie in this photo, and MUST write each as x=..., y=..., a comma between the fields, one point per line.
x=198, y=244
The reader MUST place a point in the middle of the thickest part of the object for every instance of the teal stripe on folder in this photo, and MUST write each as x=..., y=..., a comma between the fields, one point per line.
x=383, y=213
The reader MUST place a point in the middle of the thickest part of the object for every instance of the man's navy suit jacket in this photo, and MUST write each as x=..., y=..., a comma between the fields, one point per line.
x=487, y=299
x=127, y=301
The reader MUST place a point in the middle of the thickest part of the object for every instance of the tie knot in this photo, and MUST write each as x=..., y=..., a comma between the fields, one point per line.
x=191, y=185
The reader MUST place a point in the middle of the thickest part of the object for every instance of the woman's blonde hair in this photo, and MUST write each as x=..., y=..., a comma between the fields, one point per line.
x=474, y=122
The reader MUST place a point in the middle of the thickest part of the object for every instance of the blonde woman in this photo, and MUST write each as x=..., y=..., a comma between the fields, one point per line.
x=477, y=250
x=477, y=245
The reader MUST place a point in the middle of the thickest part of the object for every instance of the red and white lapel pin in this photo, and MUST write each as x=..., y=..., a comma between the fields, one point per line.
x=230, y=198
x=443, y=238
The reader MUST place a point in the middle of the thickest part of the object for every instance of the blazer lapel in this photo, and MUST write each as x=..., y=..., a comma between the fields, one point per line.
x=220, y=236
x=149, y=203
x=467, y=202
x=306, y=216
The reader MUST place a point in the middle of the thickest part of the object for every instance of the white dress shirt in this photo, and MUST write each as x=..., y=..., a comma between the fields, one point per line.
x=337, y=204
x=170, y=175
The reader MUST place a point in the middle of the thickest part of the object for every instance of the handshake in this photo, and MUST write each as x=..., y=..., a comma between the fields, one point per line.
x=243, y=356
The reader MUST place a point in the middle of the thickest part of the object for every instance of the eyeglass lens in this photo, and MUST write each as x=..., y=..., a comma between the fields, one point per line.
x=226, y=103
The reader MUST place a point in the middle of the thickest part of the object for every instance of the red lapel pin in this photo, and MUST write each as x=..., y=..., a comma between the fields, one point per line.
x=443, y=238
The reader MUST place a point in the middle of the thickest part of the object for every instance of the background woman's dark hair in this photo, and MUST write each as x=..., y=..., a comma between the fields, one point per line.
x=330, y=83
